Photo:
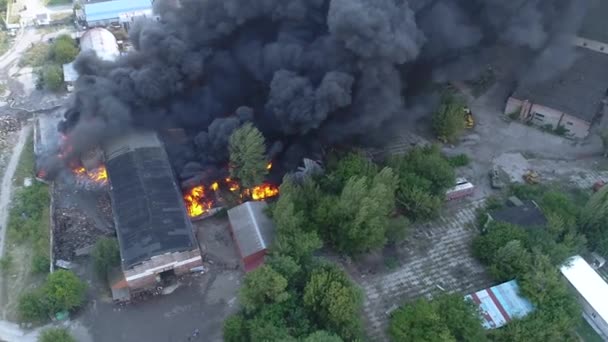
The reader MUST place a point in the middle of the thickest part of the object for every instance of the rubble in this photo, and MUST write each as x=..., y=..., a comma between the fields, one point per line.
x=8, y=125
x=76, y=231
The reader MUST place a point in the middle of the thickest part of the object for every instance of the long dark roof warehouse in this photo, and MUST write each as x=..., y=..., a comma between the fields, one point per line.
x=154, y=232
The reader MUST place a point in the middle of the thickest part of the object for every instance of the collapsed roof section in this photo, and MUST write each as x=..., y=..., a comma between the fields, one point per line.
x=149, y=213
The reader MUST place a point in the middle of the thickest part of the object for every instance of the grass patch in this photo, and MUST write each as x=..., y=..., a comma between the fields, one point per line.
x=57, y=2
x=459, y=160
x=28, y=233
x=36, y=56
x=5, y=42
x=26, y=165
x=586, y=332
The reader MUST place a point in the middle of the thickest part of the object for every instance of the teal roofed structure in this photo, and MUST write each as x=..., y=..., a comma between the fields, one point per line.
x=500, y=304
x=116, y=11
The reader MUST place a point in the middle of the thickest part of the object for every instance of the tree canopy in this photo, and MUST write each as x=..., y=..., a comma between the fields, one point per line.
x=64, y=49
x=446, y=318
x=448, y=119
x=106, y=255
x=594, y=221
x=247, y=155
x=52, y=77
x=263, y=286
x=335, y=303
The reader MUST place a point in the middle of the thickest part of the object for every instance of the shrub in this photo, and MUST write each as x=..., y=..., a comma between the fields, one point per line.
x=459, y=160
x=63, y=291
x=448, y=120
x=56, y=335
x=105, y=256
x=64, y=49
x=52, y=77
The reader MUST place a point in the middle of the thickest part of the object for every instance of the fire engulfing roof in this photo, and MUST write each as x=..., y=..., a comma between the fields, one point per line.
x=253, y=230
x=149, y=214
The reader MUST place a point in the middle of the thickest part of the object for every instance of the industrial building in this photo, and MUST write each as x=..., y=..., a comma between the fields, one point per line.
x=252, y=231
x=155, y=235
x=500, y=304
x=591, y=291
x=524, y=213
x=116, y=12
x=98, y=40
x=575, y=99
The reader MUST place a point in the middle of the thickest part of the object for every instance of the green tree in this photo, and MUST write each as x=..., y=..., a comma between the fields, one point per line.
x=63, y=291
x=247, y=155
x=52, y=77
x=106, y=255
x=340, y=170
x=486, y=246
x=511, y=261
x=447, y=317
x=263, y=286
x=594, y=221
x=461, y=318
x=362, y=214
x=291, y=238
x=322, y=336
x=333, y=302
x=64, y=49
x=419, y=321
x=235, y=329
x=448, y=119
x=56, y=335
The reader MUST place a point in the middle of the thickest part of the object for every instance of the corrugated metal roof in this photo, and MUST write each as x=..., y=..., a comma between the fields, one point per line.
x=149, y=213
x=112, y=9
x=578, y=91
x=253, y=230
x=500, y=304
x=69, y=73
x=102, y=42
x=588, y=284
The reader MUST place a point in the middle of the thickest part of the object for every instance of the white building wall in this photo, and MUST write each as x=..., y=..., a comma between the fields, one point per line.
x=542, y=116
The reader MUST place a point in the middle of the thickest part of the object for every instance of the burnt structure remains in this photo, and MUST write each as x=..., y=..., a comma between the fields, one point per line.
x=155, y=235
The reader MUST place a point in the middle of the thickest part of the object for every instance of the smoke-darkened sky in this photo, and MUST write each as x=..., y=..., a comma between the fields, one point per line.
x=310, y=72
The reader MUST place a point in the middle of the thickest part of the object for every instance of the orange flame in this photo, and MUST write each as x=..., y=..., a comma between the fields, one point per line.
x=269, y=166
x=263, y=191
x=199, y=200
x=98, y=175
x=196, y=203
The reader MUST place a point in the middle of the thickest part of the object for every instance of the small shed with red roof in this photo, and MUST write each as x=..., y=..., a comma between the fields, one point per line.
x=252, y=231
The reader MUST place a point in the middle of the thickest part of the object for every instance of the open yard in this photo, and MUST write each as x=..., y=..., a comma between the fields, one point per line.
x=435, y=257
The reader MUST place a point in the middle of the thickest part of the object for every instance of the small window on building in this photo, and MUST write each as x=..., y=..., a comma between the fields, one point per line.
x=539, y=115
x=569, y=123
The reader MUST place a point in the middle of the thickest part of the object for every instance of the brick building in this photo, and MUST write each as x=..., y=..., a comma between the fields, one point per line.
x=573, y=99
x=155, y=235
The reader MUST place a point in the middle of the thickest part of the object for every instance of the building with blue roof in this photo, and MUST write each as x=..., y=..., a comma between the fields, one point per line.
x=500, y=304
x=121, y=12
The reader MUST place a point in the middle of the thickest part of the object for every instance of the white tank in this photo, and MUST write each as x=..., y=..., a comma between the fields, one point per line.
x=102, y=42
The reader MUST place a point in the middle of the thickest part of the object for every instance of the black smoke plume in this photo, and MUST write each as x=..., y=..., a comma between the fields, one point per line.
x=308, y=73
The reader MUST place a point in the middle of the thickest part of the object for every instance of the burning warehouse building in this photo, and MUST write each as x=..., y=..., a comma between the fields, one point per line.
x=155, y=235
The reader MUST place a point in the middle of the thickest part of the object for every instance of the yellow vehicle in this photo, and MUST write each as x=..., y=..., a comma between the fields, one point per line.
x=531, y=177
x=469, y=121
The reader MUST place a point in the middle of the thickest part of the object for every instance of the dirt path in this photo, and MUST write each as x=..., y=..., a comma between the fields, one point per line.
x=7, y=185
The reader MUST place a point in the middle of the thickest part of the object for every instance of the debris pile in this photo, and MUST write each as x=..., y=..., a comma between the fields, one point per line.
x=8, y=125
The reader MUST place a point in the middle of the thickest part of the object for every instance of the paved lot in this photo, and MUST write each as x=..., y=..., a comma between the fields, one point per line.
x=435, y=256
x=201, y=302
